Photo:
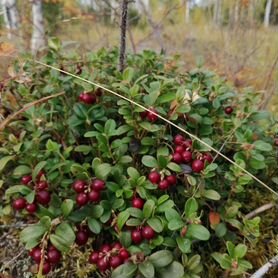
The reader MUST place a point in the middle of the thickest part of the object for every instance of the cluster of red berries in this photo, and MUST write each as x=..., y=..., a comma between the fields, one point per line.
x=90, y=97
x=183, y=154
x=109, y=256
x=141, y=233
x=51, y=257
x=149, y=115
x=42, y=196
x=162, y=183
x=88, y=193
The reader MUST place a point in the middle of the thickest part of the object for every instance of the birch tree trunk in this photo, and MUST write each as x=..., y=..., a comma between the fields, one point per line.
x=11, y=16
x=217, y=12
x=38, y=36
x=187, y=11
x=267, y=13
x=237, y=11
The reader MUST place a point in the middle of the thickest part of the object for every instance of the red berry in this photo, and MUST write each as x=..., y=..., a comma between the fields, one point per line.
x=42, y=185
x=93, y=259
x=143, y=114
x=98, y=92
x=43, y=197
x=54, y=256
x=136, y=236
x=115, y=261
x=31, y=208
x=172, y=179
x=81, y=199
x=151, y=116
x=276, y=142
x=229, y=110
x=208, y=157
x=179, y=140
x=94, y=196
x=117, y=246
x=40, y=174
x=138, y=203
x=79, y=186
x=187, y=143
x=82, y=237
x=177, y=158
x=124, y=254
x=179, y=149
x=197, y=166
x=46, y=267
x=98, y=185
x=51, y=247
x=87, y=98
x=105, y=248
x=19, y=203
x=187, y=156
x=36, y=254
x=148, y=233
x=154, y=177
x=163, y=185
x=103, y=264
x=26, y=179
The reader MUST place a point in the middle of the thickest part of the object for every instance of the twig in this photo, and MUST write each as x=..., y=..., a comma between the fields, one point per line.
x=123, y=35
x=265, y=268
x=4, y=123
x=259, y=210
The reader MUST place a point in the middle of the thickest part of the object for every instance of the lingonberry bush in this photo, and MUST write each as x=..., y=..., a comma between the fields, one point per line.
x=94, y=172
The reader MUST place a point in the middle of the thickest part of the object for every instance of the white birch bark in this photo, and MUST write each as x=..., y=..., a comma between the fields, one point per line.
x=11, y=16
x=187, y=11
x=38, y=36
x=267, y=13
x=217, y=12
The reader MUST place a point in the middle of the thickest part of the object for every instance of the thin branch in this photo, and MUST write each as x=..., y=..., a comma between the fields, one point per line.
x=265, y=268
x=259, y=210
x=4, y=123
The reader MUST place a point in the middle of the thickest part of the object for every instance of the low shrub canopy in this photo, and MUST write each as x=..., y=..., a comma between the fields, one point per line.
x=95, y=172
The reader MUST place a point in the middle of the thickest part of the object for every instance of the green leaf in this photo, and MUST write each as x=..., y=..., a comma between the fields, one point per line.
x=94, y=225
x=175, y=224
x=191, y=206
x=4, y=161
x=33, y=233
x=122, y=218
x=156, y=224
x=133, y=173
x=146, y=269
x=126, y=270
x=172, y=214
x=149, y=161
x=135, y=212
x=52, y=146
x=162, y=161
x=198, y=231
x=165, y=206
x=103, y=170
x=148, y=208
x=67, y=207
x=174, y=270
x=30, y=197
x=128, y=74
x=110, y=127
x=83, y=149
x=174, y=167
x=221, y=229
x=125, y=239
x=262, y=146
x=161, y=258
x=184, y=244
x=37, y=169
x=22, y=189
x=231, y=248
x=223, y=259
x=212, y=194
x=21, y=170
x=244, y=264
x=240, y=251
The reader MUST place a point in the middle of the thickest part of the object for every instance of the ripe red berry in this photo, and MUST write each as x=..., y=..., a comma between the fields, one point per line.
x=82, y=237
x=151, y=116
x=103, y=264
x=276, y=142
x=208, y=157
x=31, y=208
x=81, y=199
x=177, y=158
x=187, y=143
x=87, y=98
x=179, y=149
x=143, y=114
x=94, y=196
x=26, y=179
x=229, y=110
x=117, y=245
x=79, y=186
x=136, y=236
x=115, y=261
x=172, y=179
x=40, y=174
x=19, y=203
x=98, y=185
x=197, y=166
x=124, y=254
x=43, y=197
x=54, y=256
x=148, y=233
x=46, y=267
x=163, y=185
x=179, y=140
x=36, y=254
x=105, y=248
x=187, y=156
x=154, y=177
x=138, y=203
x=42, y=185
x=93, y=259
